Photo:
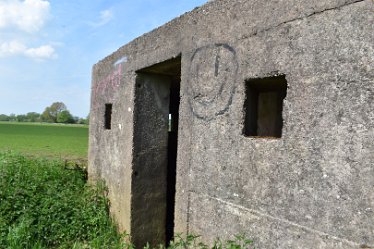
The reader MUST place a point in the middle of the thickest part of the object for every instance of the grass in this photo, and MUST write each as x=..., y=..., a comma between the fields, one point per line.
x=47, y=140
x=45, y=205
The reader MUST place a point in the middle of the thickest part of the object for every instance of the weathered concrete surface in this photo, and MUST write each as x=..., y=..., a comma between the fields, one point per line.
x=311, y=188
x=150, y=155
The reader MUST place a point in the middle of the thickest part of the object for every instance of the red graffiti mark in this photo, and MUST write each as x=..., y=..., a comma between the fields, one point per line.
x=109, y=83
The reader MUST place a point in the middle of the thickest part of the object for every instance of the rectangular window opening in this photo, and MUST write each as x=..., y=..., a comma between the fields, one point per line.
x=263, y=106
x=108, y=116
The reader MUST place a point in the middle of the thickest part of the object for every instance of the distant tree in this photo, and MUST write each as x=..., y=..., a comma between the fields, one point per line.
x=65, y=117
x=57, y=107
x=33, y=117
x=47, y=117
x=82, y=121
x=50, y=113
x=4, y=117
x=21, y=118
x=12, y=117
x=76, y=119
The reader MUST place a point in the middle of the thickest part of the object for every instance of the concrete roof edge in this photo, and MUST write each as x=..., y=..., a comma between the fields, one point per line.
x=169, y=23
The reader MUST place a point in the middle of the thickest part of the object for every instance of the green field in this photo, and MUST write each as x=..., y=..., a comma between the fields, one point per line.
x=46, y=140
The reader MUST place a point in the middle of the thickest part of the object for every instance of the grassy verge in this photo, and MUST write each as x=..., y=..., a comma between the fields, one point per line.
x=44, y=205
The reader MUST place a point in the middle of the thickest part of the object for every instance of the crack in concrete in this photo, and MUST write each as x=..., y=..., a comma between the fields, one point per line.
x=258, y=213
x=316, y=13
x=256, y=32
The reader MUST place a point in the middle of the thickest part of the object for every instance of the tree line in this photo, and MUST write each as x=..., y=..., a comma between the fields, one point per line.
x=55, y=113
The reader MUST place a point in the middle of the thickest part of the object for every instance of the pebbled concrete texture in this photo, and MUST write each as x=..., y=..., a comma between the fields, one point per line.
x=311, y=188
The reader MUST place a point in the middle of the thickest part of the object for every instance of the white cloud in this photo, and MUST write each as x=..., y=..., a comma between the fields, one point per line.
x=42, y=52
x=27, y=15
x=105, y=17
x=14, y=48
x=11, y=48
x=19, y=17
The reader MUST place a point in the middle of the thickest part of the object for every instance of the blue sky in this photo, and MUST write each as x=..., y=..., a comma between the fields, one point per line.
x=47, y=48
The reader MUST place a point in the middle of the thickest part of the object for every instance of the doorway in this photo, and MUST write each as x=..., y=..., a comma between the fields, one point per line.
x=156, y=118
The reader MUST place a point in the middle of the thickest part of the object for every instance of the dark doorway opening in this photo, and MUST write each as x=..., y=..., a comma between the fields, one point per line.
x=172, y=157
x=156, y=117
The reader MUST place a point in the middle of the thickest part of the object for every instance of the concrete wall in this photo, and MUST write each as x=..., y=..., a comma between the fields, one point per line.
x=311, y=188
